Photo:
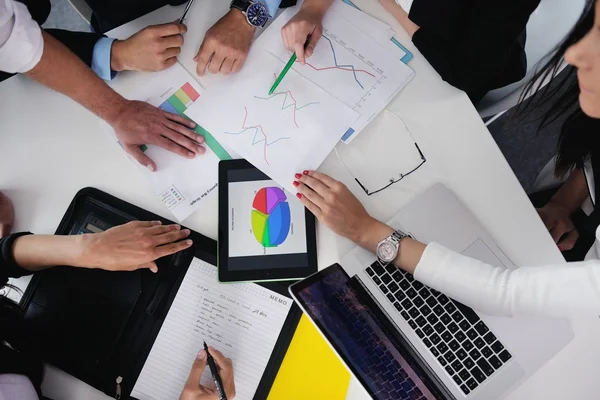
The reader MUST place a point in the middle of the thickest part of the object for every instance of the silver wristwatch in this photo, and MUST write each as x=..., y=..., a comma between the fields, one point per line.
x=387, y=249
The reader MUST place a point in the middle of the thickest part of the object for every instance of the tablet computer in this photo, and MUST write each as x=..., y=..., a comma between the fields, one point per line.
x=265, y=233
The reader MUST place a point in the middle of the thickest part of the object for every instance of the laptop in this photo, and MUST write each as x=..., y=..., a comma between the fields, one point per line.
x=404, y=340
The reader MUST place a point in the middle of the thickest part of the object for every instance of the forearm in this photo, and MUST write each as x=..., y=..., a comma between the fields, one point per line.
x=37, y=252
x=573, y=192
x=61, y=70
x=401, y=16
x=318, y=6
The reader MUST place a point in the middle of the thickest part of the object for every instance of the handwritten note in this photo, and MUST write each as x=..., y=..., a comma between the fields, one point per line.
x=241, y=320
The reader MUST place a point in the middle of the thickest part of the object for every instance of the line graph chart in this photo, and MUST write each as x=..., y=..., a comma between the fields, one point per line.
x=348, y=67
x=285, y=105
x=257, y=129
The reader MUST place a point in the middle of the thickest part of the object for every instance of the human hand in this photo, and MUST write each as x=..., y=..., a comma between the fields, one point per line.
x=334, y=205
x=140, y=123
x=557, y=219
x=303, y=31
x=226, y=45
x=152, y=49
x=132, y=246
x=193, y=390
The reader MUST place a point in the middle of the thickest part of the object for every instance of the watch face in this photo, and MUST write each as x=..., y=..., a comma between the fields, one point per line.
x=257, y=14
x=386, y=251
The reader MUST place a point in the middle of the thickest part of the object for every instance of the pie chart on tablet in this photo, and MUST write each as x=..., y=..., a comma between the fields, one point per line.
x=270, y=216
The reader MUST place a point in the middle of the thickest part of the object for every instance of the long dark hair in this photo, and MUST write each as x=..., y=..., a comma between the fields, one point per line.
x=577, y=139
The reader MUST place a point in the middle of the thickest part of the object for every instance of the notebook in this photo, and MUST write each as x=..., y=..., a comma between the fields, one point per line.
x=243, y=321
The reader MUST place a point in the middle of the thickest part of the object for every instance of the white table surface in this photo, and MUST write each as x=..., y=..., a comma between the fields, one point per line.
x=50, y=147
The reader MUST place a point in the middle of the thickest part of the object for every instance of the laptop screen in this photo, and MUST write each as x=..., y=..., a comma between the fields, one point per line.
x=358, y=333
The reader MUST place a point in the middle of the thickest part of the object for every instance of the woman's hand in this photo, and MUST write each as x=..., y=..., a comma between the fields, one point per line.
x=132, y=246
x=303, y=31
x=193, y=390
x=335, y=206
x=557, y=219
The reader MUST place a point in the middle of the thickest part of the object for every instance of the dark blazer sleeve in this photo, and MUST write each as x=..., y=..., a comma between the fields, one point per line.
x=8, y=266
x=479, y=47
x=80, y=43
x=287, y=3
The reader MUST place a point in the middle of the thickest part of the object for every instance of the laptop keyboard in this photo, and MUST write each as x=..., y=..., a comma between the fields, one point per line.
x=453, y=333
x=390, y=381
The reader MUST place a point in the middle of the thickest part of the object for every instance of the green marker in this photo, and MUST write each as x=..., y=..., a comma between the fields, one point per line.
x=282, y=74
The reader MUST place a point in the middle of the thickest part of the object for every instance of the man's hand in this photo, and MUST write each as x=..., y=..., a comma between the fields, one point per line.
x=193, y=390
x=140, y=123
x=132, y=246
x=304, y=30
x=226, y=45
x=152, y=49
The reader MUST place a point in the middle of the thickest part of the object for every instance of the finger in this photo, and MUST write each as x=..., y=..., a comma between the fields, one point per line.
x=170, y=29
x=151, y=266
x=237, y=65
x=144, y=224
x=227, y=66
x=326, y=179
x=311, y=195
x=319, y=187
x=180, y=136
x=215, y=64
x=202, y=58
x=197, y=369
x=172, y=248
x=222, y=361
x=171, y=237
x=568, y=242
x=180, y=120
x=313, y=39
x=167, y=144
x=557, y=232
x=193, y=136
x=284, y=37
x=169, y=62
x=299, y=49
x=172, y=52
x=172, y=41
x=160, y=229
x=312, y=207
x=139, y=156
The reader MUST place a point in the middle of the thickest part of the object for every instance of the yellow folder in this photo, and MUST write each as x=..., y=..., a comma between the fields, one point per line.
x=310, y=369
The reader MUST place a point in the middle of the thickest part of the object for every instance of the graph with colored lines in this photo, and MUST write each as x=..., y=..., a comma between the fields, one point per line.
x=346, y=63
x=270, y=216
x=259, y=136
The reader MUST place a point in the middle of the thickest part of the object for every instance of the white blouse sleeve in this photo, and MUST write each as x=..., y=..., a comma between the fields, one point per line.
x=563, y=290
x=21, y=41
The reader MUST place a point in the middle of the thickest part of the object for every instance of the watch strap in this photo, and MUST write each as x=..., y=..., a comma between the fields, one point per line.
x=241, y=5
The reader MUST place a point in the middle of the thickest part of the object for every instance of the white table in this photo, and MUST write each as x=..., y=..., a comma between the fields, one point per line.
x=51, y=147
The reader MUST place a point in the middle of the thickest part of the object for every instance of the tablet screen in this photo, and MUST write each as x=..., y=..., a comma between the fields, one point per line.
x=267, y=226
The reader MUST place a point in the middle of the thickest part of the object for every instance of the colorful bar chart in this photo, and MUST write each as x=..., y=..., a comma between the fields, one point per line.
x=177, y=103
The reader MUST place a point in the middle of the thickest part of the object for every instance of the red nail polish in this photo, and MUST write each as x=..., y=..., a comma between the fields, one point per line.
x=298, y=176
x=296, y=183
x=298, y=195
x=561, y=248
x=305, y=172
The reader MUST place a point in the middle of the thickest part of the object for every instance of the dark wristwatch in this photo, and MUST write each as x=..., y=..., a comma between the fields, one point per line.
x=256, y=14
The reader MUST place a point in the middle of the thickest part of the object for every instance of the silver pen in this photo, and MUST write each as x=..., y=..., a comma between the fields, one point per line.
x=187, y=8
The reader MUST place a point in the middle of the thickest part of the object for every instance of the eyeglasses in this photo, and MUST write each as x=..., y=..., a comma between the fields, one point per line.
x=397, y=177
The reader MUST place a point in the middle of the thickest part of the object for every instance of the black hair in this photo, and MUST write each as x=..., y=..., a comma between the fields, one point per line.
x=577, y=140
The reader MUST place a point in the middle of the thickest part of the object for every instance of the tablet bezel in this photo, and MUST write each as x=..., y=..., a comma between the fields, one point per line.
x=263, y=275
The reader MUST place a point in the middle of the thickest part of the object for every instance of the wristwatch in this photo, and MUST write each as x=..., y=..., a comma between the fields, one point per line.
x=256, y=14
x=387, y=249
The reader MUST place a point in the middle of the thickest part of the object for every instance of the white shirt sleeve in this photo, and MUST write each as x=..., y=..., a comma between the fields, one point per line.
x=563, y=290
x=21, y=41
